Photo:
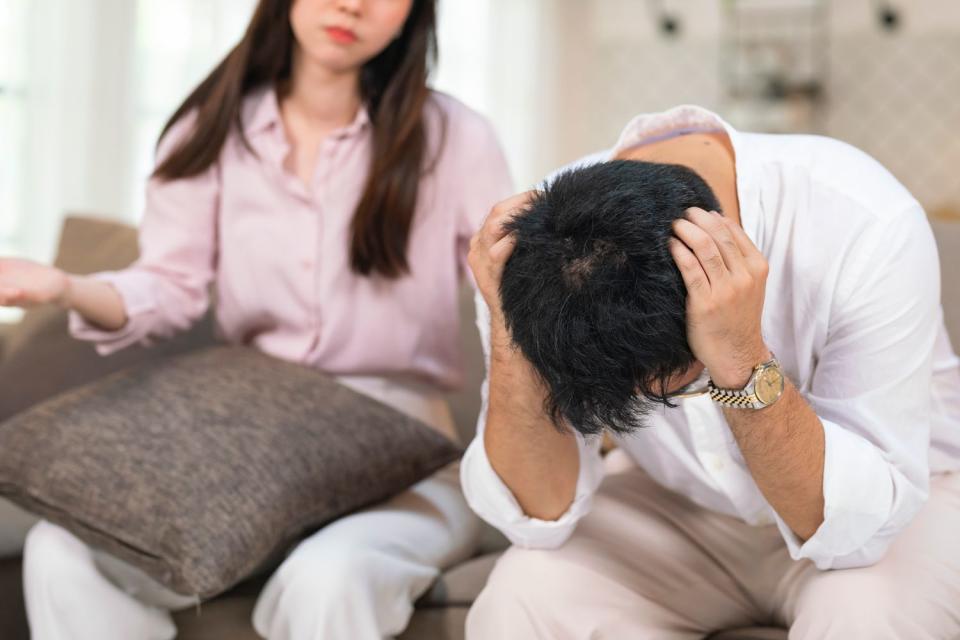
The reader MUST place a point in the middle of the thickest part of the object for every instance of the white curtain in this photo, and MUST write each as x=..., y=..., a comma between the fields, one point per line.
x=178, y=42
x=12, y=115
x=84, y=88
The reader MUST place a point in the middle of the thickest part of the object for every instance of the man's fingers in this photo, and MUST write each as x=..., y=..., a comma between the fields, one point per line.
x=715, y=225
x=502, y=249
x=690, y=268
x=492, y=245
x=492, y=230
x=704, y=248
x=749, y=250
x=742, y=239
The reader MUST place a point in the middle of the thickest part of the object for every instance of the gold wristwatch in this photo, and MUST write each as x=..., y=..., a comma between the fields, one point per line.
x=763, y=389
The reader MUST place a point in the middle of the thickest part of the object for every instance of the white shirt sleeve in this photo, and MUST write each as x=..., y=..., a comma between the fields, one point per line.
x=871, y=390
x=493, y=501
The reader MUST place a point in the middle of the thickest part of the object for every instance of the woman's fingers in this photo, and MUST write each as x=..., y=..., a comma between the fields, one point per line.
x=10, y=296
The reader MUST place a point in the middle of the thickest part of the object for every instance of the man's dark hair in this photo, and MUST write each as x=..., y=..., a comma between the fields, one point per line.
x=592, y=296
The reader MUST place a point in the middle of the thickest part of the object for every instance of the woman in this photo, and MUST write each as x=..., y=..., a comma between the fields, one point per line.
x=330, y=197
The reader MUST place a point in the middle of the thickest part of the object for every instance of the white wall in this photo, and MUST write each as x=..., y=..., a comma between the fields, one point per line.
x=895, y=95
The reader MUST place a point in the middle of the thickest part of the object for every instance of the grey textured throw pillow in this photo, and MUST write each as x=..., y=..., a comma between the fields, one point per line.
x=200, y=468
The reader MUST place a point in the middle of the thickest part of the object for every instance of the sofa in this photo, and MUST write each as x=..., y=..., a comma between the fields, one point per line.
x=37, y=348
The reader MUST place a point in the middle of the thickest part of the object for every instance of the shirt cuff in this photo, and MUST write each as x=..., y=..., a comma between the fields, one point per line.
x=493, y=501
x=867, y=502
x=134, y=289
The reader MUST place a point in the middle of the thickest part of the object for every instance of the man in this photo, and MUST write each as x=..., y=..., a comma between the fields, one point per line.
x=756, y=320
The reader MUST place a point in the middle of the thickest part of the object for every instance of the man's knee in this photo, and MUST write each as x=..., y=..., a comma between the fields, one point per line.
x=524, y=583
x=859, y=604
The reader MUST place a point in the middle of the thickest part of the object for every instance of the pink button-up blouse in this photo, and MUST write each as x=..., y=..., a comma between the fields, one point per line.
x=277, y=250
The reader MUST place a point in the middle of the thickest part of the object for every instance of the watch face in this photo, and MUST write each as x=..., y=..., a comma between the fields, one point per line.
x=769, y=385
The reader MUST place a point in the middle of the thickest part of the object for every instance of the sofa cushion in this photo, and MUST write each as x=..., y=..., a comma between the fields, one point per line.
x=13, y=617
x=447, y=623
x=46, y=361
x=199, y=469
x=226, y=617
x=460, y=585
x=751, y=633
x=40, y=359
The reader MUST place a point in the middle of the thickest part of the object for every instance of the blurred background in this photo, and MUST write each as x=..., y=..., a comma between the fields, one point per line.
x=85, y=85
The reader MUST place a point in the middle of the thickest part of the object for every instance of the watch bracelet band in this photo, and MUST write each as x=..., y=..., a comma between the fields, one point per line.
x=745, y=398
x=735, y=399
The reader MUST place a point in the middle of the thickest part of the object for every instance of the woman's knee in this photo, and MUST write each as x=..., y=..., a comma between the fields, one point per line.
x=322, y=590
x=50, y=549
x=321, y=574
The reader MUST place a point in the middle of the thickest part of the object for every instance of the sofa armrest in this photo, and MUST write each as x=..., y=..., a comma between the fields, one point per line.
x=947, y=234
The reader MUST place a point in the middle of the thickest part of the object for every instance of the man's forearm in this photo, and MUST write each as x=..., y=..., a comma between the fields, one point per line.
x=783, y=446
x=537, y=462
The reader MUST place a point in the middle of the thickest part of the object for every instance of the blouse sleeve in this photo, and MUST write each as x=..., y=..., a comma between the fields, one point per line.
x=166, y=290
x=485, y=177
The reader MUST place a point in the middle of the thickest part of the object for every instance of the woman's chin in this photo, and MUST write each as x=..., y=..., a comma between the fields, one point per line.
x=334, y=58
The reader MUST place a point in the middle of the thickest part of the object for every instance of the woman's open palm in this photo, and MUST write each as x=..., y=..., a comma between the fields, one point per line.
x=24, y=283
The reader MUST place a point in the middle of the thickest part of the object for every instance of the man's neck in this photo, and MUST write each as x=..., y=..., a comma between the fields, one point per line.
x=710, y=155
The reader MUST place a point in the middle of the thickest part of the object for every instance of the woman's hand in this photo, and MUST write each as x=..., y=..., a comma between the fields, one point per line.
x=26, y=284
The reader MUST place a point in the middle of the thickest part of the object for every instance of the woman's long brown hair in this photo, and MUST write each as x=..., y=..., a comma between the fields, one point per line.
x=393, y=87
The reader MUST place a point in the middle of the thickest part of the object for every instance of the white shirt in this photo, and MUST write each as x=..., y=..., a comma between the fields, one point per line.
x=853, y=314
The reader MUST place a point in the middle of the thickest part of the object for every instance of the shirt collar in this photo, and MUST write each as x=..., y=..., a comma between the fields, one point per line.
x=651, y=127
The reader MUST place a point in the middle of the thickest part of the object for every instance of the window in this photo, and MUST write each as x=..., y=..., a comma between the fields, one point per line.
x=462, y=35
x=177, y=43
x=13, y=70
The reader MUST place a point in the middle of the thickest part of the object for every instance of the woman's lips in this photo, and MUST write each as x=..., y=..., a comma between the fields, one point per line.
x=341, y=35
